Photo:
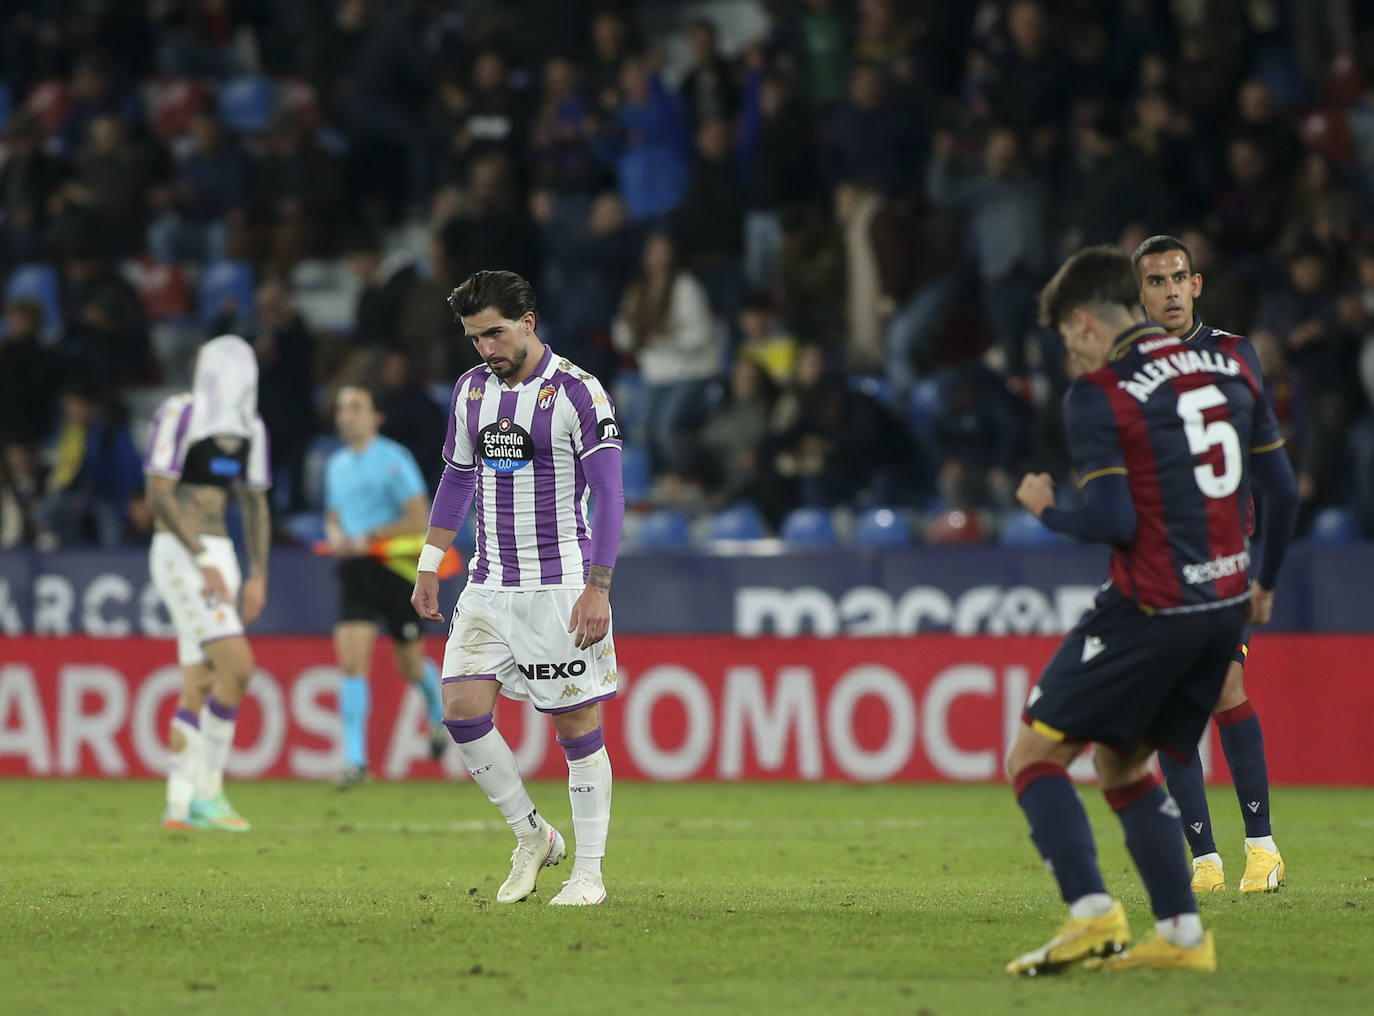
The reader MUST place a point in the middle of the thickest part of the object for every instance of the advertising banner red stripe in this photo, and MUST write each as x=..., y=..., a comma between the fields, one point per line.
x=929, y=708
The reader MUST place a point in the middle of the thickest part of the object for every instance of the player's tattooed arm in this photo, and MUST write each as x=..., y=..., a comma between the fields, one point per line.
x=167, y=509
x=599, y=577
x=257, y=529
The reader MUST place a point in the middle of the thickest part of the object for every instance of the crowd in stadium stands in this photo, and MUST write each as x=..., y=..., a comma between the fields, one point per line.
x=801, y=243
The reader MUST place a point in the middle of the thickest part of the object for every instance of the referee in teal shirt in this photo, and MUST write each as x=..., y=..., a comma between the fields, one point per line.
x=373, y=492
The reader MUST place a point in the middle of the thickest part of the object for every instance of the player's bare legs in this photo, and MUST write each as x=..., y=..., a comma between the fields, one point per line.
x=589, y=789
x=231, y=663
x=184, y=744
x=468, y=705
x=423, y=675
x=353, y=642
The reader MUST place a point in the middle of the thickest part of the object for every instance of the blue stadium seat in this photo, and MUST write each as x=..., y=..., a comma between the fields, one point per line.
x=738, y=522
x=634, y=470
x=227, y=282
x=305, y=528
x=1335, y=526
x=882, y=527
x=809, y=527
x=245, y=104
x=1022, y=529
x=38, y=282
x=664, y=528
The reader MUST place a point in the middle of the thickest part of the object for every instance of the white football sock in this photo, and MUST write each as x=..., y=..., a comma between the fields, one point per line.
x=1264, y=842
x=589, y=789
x=492, y=766
x=181, y=770
x=217, y=737
x=1185, y=930
x=1091, y=905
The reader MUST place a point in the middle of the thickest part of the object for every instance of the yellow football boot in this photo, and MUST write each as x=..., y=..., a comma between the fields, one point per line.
x=1158, y=953
x=1078, y=939
x=1264, y=871
x=1207, y=878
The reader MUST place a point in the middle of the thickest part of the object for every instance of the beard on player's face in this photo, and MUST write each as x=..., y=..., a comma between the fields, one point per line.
x=508, y=365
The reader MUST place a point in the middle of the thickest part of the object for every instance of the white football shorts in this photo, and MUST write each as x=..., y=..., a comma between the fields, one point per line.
x=178, y=581
x=520, y=637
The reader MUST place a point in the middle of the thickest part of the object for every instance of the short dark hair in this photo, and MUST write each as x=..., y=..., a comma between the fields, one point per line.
x=1095, y=276
x=1161, y=244
x=373, y=393
x=510, y=294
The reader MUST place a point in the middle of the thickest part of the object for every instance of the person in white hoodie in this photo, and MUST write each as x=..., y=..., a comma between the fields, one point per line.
x=205, y=445
x=665, y=322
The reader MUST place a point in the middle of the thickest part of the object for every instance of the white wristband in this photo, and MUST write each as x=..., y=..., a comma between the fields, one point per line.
x=204, y=559
x=430, y=557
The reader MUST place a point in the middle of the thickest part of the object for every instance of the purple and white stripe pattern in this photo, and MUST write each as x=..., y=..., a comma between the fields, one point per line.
x=169, y=440
x=526, y=445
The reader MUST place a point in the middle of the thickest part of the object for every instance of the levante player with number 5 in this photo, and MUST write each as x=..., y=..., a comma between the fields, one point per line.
x=1165, y=439
x=530, y=439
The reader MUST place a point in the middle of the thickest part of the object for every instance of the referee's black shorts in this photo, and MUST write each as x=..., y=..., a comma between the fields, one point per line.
x=370, y=591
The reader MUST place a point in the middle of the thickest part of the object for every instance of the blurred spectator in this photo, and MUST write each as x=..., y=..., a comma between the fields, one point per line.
x=106, y=329
x=610, y=36
x=29, y=375
x=108, y=190
x=96, y=472
x=29, y=177
x=386, y=281
x=644, y=140
x=722, y=463
x=709, y=90
x=492, y=227
x=409, y=416
x=1227, y=301
x=286, y=390
x=1114, y=188
x=1302, y=316
x=776, y=168
x=980, y=431
x=1006, y=210
x=96, y=95
x=1321, y=205
x=20, y=496
x=1248, y=210
x=1258, y=118
x=561, y=154
x=881, y=38
x=588, y=267
x=1358, y=316
x=479, y=119
x=294, y=200
x=1026, y=84
x=211, y=183
x=765, y=343
x=814, y=39
x=708, y=225
x=812, y=266
x=665, y=325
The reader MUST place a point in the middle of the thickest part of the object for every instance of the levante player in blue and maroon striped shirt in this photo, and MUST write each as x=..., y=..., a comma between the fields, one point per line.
x=1168, y=288
x=1164, y=440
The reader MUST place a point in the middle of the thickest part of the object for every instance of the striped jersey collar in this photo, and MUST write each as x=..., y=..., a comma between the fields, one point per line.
x=1132, y=335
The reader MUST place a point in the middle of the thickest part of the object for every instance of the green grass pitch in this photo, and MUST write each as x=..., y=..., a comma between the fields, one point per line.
x=748, y=898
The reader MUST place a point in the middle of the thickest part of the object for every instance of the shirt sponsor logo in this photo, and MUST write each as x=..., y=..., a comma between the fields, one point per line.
x=546, y=395
x=505, y=447
x=1219, y=567
x=607, y=430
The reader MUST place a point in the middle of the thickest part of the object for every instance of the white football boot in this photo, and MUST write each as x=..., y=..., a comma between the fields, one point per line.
x=527, y=861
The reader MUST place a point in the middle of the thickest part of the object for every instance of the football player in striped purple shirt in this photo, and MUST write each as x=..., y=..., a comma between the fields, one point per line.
x=203, y=447
x=532, y=444
x=1168, y=287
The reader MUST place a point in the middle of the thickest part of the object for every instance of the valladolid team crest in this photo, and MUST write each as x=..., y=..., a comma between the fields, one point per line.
x=546, y=395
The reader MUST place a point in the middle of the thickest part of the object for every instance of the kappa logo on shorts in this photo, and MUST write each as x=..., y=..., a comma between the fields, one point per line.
x=1093, y=647
x=546, y=395
x=570, y=691
x=609, y=679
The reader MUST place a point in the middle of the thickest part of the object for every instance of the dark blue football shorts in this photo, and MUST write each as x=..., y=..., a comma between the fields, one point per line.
x=1123, y=677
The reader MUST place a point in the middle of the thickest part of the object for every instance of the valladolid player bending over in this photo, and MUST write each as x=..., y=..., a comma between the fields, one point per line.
x=530, y=439
x=204, y=446
x=1165, y=440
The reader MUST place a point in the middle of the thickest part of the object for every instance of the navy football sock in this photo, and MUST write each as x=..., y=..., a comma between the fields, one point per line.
x=1243, y=742
x=1059, y=829
x=1186, y=786
x=1150, y=820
